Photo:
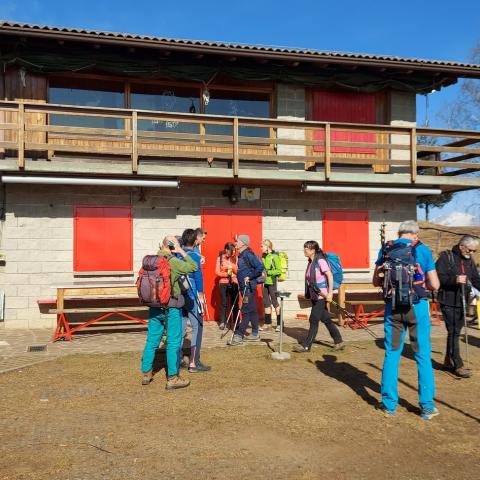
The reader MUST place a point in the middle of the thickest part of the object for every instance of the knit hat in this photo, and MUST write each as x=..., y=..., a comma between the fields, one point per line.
x=244, y=238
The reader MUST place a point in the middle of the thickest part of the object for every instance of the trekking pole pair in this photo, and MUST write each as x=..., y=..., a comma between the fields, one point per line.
x=464, y=306
x=238, y=315
x=349, y=315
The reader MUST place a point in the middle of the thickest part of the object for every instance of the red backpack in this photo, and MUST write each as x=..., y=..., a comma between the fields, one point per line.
x=153, y=282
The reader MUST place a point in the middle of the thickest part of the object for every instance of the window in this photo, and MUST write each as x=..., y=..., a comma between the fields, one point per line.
x=166, y=99
x=238, y=104
x=345, y=232
x=88, y=93
x=102, y=239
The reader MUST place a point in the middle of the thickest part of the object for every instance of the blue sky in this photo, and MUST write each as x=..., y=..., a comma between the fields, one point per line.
x=433, y=29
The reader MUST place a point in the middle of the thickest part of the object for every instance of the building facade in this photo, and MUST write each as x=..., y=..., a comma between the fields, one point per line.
x=112, y=141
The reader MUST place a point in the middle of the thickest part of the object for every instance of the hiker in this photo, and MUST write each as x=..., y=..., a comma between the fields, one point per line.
x=458, y=273
x=201, y=236
x=193, y=309
x=319, y=289
x=405, y=267
x=226, y=270
x=169, y=317
x=271, y=261
x=250, y=269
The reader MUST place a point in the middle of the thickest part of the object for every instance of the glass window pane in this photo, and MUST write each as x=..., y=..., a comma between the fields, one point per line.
x=238, y=104
x=86, y=98
x=168, y=99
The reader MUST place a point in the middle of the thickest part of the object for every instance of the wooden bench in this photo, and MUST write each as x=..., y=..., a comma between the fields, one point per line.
x=92, y=293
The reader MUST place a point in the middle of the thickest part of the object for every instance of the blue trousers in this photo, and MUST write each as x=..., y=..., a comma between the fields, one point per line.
x=249, y=312
x=158, y=320
x=191, y=314
x=418, y=323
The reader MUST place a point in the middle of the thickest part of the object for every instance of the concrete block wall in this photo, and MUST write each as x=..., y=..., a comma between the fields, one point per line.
x=403, y=114
x=291, y=106
x=38, y=232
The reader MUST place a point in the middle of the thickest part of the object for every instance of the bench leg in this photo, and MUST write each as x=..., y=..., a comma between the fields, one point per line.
x=62, y=329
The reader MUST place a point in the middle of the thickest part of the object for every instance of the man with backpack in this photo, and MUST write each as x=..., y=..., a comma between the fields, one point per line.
x=250, y=273
x=404, y=268
x=194, y=300
x=457, y=273
x=168, y=312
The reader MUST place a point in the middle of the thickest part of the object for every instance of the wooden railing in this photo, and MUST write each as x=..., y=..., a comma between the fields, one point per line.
x=50, y=130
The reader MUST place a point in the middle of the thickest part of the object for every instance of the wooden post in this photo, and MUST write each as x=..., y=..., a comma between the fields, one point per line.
x=413, y=155
x=236, y=166
x=21, y=135
x=134, y=137
x=327, y=151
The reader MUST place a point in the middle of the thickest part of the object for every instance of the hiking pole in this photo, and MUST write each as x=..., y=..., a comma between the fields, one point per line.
x=464, y=305
x=236, y=319
x=281, y=355
x=233, y=306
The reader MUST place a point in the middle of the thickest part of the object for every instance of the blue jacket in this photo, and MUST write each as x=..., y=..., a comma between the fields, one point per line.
x=249, y=265
x=196, y=278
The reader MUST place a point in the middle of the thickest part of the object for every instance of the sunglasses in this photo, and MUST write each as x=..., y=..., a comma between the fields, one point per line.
x=470, y=251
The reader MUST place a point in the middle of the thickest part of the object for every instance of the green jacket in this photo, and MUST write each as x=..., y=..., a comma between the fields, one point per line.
x=178, y=267
x=272, y=267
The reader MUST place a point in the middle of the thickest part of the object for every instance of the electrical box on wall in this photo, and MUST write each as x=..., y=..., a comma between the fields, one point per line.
x=250, y=194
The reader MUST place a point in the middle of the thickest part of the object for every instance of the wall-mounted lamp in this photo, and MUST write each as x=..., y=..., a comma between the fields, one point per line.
x=392, y=190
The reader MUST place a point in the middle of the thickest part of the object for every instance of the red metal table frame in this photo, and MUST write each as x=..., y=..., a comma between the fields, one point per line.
x=84, y=290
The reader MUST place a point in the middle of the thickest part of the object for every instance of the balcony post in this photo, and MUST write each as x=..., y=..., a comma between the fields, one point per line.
x=327, y=152
x=21, y=136
x=236, y=150
x=134, y=137
x=413, y=155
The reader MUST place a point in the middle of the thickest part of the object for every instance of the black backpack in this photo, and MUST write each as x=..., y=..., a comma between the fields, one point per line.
x=403, y=279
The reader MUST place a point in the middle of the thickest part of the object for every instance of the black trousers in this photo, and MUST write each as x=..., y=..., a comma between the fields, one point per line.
x=454, y=321
x=228, y=295
x=320, y=314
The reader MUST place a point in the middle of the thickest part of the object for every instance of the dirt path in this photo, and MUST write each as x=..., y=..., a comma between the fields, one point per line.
x=87, y=417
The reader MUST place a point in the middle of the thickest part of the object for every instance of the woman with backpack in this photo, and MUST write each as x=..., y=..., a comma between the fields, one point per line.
x=319, y=289
x=273, y=268
x=226, y=270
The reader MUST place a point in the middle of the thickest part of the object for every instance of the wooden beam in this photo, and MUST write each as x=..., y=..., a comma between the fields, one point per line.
x=21, y=135
x=134, y=142
x=236, y=149
x=413, y=155
x=327, y=152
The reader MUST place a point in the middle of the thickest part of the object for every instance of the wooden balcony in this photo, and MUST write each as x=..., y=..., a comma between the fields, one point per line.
x=40, y=138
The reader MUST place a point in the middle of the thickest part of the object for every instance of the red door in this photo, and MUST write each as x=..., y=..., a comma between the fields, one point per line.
x=345, y=107
x=222, y=224
x=345, y=232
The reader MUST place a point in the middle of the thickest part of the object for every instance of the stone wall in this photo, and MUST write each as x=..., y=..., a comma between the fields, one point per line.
x=38, y=231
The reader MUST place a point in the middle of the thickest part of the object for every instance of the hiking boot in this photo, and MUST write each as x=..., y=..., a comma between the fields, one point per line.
x=176, y=382
x=429, y=413
x=199, y=367
x=386, y=412
x=147, y=378
x=278, y=328
x=300, y=349
x=462, y=372
x=338, y=347
x=222, y=326
x=252, y=338
x=236, y=340
x=183, y=364
x=448, y=365
x=265, y=328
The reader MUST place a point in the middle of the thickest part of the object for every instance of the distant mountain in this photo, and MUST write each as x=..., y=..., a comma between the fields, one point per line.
x=458, y=219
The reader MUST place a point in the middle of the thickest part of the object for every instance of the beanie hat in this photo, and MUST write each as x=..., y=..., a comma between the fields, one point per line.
x=244, y=238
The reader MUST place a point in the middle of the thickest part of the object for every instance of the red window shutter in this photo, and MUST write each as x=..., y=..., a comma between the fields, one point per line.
x=345, y=108
x=102, y=239
x=345, y=232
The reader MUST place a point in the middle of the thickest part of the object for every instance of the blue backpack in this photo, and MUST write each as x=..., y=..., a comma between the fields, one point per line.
x=336, y=268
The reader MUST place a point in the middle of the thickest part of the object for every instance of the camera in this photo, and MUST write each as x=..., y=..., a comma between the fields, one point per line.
x=283, y=294
x=171, y=246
